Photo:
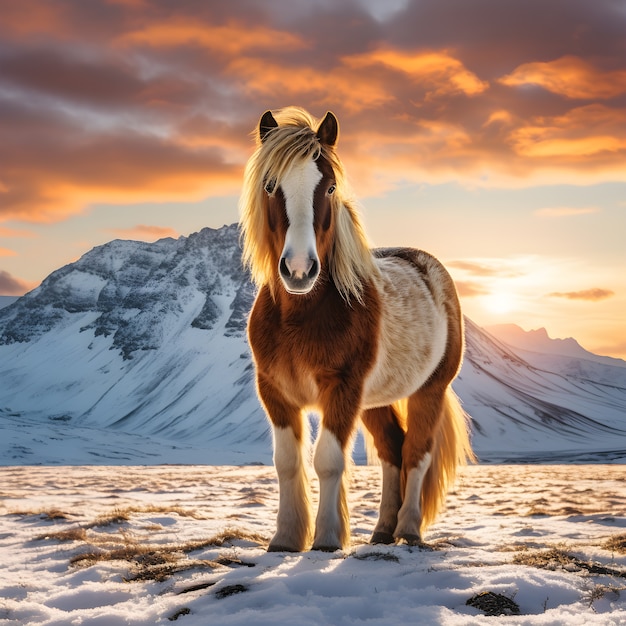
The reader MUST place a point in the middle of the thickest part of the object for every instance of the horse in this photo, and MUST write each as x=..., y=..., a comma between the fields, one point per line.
x=350, y=333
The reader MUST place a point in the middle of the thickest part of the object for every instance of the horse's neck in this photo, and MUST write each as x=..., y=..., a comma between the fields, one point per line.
x=322, y=296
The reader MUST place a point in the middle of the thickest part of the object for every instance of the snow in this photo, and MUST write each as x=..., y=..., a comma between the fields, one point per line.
x=173, y=519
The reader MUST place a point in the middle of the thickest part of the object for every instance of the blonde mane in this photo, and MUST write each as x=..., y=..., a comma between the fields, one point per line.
x=350, y=262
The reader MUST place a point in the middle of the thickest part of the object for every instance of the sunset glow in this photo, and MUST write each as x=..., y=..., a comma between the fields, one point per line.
x=500, y=153
x=500, y=303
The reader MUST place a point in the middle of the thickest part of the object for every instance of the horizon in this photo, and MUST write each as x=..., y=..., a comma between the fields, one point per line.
x=500, y=154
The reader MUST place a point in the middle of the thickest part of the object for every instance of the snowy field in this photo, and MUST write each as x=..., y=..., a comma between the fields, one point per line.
x=113, y=546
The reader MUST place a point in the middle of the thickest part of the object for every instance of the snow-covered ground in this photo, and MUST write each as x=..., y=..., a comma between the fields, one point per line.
x=113, y=546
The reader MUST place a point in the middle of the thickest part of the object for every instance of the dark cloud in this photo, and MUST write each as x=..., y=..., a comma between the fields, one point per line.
x=498, y=36
x=64, y=75
x=11, y=286
x=125, y=100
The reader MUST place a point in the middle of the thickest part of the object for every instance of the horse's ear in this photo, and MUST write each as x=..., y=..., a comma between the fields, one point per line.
x=328, y=130
x=266, y=124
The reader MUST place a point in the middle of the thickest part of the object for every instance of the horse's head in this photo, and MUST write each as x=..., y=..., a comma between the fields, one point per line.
x=297, y=220
x=299, y=202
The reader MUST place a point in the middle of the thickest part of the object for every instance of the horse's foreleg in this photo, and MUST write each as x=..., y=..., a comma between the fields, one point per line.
x=332, y=525
x=293, y=523
x=388, y=436
x=293, y=527
x=423, y=415
x=332, y=453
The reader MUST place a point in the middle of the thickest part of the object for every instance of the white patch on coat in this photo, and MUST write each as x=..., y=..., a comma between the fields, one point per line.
x=413, y=333
x=298, y=186
x=329, y=462
x=293, y=521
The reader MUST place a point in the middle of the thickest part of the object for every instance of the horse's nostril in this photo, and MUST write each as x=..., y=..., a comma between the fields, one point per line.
x=284, y=270
x=314, y=269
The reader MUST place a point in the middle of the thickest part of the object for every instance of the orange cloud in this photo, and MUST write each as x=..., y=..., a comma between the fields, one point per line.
x=500, y=116
x=354, y=92
x=35, y=17
x=592, y=295
x=230, y=39
x=145, y=232
x=583, y=132
x=571, y=77
x=438, y=71
x=7, y=252
x=478, y=268
x=467, y=289
x=62, y=177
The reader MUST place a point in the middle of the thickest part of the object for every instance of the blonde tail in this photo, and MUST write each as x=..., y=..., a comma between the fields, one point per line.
x=451, y=449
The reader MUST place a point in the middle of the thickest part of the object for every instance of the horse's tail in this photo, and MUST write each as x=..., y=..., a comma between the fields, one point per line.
x=451, y=449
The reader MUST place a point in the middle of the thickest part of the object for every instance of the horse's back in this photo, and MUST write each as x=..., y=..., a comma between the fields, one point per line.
x=428, y=267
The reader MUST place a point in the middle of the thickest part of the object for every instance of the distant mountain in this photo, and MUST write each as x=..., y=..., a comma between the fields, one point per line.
x=538, y=341
x=136, y=353
x=6, y=300
x=565, y=356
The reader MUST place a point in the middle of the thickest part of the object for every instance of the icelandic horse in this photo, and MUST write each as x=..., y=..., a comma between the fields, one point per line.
x=350, y=333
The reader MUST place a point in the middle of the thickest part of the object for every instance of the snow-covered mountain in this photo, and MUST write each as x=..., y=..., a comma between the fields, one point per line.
x=538, y=341
x=6, y=300
x=136, y=353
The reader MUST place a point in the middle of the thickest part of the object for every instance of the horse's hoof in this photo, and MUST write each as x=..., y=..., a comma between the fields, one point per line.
x=278, y=548
x=382, y=537
x=326, y=548
x=409, y=540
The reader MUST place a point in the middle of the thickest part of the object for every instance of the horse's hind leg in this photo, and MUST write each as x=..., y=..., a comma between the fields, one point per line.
x=382, y=423
x=423, y=414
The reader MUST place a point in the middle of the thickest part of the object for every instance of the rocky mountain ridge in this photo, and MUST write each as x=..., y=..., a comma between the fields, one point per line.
x=137, y=353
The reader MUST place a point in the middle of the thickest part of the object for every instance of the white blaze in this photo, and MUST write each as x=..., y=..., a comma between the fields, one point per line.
x=298, y=187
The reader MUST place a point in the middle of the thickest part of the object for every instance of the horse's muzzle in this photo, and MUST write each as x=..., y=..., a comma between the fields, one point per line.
x=299, y=277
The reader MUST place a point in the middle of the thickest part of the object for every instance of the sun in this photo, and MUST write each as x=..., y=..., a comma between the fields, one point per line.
x=500, y=303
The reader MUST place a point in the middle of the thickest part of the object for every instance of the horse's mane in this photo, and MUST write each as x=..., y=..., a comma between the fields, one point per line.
x=351, y=262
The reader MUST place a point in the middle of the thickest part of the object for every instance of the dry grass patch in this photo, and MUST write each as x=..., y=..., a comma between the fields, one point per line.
x=494, y=604
x=557, y=558
x=376, y=556
x=119, y=515
x=147, y=561
x=150, y=562
x=69, y=534
x=229, y=535
x=616, y=543
x=116, y=516
x=230, y=590
x=45, y=515
x=179, y=510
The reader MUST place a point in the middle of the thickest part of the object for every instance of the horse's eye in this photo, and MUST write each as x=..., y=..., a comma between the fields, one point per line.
x=270, y=185
x=331, y=190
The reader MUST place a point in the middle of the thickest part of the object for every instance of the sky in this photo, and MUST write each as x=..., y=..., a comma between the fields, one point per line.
x=491, y=134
